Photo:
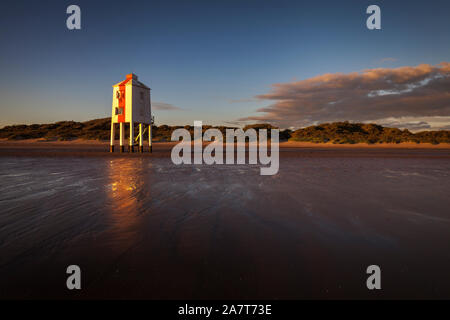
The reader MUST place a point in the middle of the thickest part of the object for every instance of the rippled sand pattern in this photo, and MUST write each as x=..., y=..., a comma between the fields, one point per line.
x=145, y=228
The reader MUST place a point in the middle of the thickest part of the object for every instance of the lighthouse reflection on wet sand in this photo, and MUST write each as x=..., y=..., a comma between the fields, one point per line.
x=131, y=104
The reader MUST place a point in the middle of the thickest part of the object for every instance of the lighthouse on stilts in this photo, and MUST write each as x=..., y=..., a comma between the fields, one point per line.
x=131, y=104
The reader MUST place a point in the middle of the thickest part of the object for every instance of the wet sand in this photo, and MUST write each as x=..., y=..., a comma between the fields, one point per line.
x=93, y=148
x=141, y=227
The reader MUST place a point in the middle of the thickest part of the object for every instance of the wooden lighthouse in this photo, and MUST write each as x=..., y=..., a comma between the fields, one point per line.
x=131, y=104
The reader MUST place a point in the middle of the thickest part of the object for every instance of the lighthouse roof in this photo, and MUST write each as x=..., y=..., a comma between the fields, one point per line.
x=131, y=79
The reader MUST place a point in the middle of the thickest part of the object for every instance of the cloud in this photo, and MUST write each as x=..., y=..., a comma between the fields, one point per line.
x=420, y=91
x=415, y=123
x=164, y=106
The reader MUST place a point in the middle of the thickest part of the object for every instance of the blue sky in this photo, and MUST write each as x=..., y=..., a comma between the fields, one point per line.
x=208, y=58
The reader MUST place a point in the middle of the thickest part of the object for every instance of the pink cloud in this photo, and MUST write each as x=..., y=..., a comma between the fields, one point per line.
x=423, y=90
x=164, y=106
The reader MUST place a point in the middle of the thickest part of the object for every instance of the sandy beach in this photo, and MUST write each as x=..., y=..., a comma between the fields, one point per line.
x=84, y=148
x=141, y=227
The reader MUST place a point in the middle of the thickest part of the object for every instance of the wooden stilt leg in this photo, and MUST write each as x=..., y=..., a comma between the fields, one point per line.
x=111, y=146
x=131, y=137
x=141, y=139
x=150, y=137
x=121, y=136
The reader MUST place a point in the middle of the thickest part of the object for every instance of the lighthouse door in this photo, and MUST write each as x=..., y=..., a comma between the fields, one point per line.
x=121, y=98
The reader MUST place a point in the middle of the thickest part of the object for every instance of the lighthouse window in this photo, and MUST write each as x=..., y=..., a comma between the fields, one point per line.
x=142, y=95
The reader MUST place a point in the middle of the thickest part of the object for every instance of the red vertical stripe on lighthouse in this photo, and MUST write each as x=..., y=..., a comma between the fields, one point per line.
x=121, y=117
